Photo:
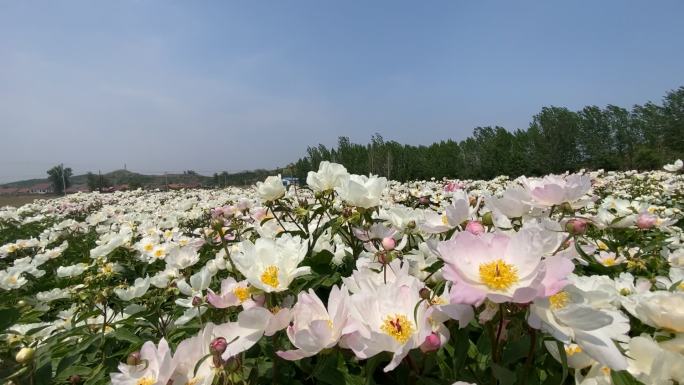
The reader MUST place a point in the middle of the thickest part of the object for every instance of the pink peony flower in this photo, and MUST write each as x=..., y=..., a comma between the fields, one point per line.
x=501, y=267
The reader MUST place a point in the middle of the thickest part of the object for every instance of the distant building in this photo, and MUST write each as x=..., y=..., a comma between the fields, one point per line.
x=8, y=190
x=41, y=188
x=290, y=180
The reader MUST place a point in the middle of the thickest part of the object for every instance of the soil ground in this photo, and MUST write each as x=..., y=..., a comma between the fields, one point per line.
x=19, y=200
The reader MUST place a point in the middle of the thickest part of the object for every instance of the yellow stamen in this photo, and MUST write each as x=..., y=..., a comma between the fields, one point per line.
x=108, y=268
x=398, y=327
x=610, y=261
x=270, y=276
x=438, y=301
x=242, y=293
x=498, y=275
x=572, y=349
x=146, y=381
x=445, y=220
x=559, y=300
x=148, y=247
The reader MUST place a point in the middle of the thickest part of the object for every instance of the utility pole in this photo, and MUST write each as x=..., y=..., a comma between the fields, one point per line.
x=63, y=180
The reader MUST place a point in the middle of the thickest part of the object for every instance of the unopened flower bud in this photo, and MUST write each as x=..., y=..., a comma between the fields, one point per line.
x=389, y=243
x=646, y=221
x=218, y=346
x=576, y=226
x=425, y=293
x=475, y=227
x=567, y=208
x=75, y=379
x=25, y=355
x=487, y=219
x=385, y=257
x=431, y=343
x=134, y=359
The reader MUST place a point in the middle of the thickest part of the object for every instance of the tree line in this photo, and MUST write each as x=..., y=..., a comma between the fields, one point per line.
x=557, y=140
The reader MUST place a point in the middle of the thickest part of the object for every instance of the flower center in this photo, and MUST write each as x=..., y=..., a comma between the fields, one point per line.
x=559, y=300
x=270, y=276
x=610, y=261
x=572, y=349
x=498, y=275
x=148, y=247
x=242, y=293
x=445, y=220
x=398, y=327
x=146, y=381
x=159, y=253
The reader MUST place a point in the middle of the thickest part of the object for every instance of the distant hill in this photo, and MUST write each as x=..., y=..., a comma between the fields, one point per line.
x=119, y=177
x=134, y=179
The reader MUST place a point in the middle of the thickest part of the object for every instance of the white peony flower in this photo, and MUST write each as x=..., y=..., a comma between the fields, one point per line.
x=271, y=189
x=362, y=191
x=328, y=177
x=71, y=271
x=662, y=309
x=272, y=264
x=138, y=289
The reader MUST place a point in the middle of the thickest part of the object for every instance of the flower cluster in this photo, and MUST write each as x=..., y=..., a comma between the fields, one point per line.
x=351, y=279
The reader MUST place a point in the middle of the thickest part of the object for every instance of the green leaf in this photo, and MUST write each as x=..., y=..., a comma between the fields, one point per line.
x=82, y=371
x=320, y=262
x=564, y=360
x=505, y=376
x=326, y=370
x=623, y=377
x=43, y=374
x=125, y=335
x=8, y=317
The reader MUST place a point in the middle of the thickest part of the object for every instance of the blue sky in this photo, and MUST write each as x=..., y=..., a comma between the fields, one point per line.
x=231, y=85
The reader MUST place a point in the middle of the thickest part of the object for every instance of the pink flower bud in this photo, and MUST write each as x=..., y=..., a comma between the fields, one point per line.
x=646, y=221
x=475, y=227
x=218, y=346
x=196, y=301
x=431, y=343
x=576, y=226
x=389, y=243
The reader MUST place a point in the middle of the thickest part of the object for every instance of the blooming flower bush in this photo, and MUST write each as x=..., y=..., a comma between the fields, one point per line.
x=354, y=279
